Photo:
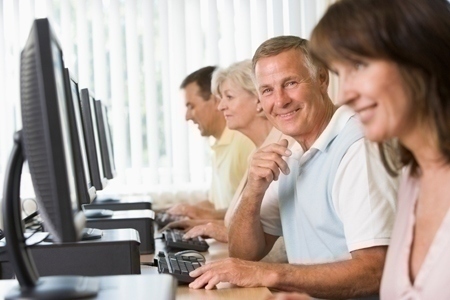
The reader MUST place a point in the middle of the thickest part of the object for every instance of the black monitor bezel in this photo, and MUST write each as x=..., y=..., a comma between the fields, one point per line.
x=105, y=140
x=95, y=165
x=86, y=189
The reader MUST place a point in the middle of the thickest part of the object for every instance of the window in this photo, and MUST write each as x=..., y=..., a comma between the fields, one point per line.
x=133, y=55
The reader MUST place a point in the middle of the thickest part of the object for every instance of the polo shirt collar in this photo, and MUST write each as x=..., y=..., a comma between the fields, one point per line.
x=334, y=127
x=225, y=138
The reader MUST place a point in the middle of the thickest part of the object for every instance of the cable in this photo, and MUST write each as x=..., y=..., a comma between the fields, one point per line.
x=38, y=229
x=3, y=243
x=30, y=217
x=34, y=224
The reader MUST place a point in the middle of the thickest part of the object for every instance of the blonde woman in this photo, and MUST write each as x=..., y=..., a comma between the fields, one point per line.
x=243, y=112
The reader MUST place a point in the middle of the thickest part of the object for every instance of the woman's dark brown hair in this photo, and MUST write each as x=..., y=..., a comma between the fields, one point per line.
x=415, y=34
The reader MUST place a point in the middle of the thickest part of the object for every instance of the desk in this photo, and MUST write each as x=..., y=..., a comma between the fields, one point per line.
x=119, y=287
x=224, y=290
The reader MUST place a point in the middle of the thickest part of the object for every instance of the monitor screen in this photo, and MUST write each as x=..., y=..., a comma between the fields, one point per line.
x=92, y=140
x=87, y=192
x=46, y=134
x=105, y=140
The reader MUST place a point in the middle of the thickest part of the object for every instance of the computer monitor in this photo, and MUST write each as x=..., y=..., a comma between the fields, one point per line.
x=46, y=143
x=46, y=134
x=92, y=140
x=105, y=140
x=86, y=190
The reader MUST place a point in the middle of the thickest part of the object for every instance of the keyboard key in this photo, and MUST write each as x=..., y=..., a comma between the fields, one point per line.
x=183, y=268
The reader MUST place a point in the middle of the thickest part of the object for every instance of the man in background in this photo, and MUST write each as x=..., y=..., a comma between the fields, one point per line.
x=230, y=150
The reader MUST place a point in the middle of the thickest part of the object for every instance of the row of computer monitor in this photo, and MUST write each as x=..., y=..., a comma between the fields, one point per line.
x=66, y=136
x=66, y=140
x=91, y=140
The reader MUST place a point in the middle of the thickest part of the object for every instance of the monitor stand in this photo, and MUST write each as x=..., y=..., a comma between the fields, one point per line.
x=58, y=287
x=31, y=285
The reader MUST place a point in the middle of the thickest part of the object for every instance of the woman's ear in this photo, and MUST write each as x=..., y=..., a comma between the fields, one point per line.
x=324, y=78
x=258, y=106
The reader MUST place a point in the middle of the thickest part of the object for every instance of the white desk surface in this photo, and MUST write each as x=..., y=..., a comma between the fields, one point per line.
x=224, y=290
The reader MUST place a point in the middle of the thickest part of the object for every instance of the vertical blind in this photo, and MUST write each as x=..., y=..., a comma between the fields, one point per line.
x=133, y=56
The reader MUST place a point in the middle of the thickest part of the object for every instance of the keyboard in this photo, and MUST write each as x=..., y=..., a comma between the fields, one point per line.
x=174, y=239
x=179, y=264
x=162, y=219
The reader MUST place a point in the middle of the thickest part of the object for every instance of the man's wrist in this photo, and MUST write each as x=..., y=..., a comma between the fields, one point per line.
x=270, y=277
x=253, y=196
x=218, y=214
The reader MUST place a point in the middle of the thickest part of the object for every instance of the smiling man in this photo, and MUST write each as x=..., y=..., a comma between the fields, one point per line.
x=230, y=151
x=331, y=199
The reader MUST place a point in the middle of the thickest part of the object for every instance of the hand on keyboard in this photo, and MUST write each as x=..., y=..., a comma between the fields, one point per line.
x=193, y=211
x=174, y=239
x=179, y=264
x=163, y=219
x=213, y=230
x=185, y=224
x=233, y=270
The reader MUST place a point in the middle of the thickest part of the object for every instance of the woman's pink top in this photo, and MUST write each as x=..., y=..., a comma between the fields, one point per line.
x=433, y=279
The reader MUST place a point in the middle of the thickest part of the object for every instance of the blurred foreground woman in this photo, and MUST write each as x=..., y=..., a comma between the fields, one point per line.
x=393, y=62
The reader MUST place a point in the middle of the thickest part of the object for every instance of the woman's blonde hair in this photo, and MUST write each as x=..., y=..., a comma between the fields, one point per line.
x=239, y=73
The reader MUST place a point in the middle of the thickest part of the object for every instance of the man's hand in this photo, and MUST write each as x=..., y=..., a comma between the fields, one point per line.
x=213, y=230
x=185, y=225
x=239, y=272
x=192, y=211
x=247, y=239
x=289, y=296
x=266, y=165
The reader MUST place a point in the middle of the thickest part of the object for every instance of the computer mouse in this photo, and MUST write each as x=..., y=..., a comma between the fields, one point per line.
x=190, y=253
